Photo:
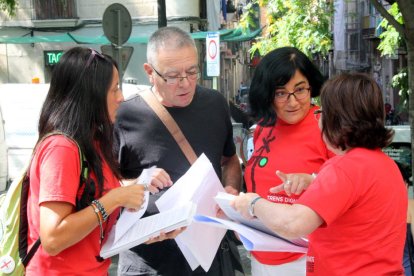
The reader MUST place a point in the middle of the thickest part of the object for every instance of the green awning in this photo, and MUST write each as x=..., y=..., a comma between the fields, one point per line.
x=237, y=35
x=203, y=35
x=233, y=35
x=35, y=39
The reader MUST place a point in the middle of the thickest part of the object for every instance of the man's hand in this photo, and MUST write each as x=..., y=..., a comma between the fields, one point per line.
x=166, y=236
x=159, y=180
x=231, y=190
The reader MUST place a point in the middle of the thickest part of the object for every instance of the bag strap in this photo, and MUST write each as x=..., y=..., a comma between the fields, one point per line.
x=25, y=255
x=26, y=259
x=170, y=124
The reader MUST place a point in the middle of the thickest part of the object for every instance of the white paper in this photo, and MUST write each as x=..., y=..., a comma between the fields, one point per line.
x=253, y=240
x=129, y=218
x=146, y=174
x=199, y=184
x=254, y=234
x=149, y=227
x=191, y=259
x=223, y=200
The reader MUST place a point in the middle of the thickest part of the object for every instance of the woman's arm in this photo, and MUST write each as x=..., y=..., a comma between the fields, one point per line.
x=288, y=221
x=62, y=227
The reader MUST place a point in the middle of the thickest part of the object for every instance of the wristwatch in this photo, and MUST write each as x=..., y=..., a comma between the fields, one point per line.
x=251, y=206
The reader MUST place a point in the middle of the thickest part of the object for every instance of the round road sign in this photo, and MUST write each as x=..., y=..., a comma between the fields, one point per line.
x=212, y=49
x=117, y=24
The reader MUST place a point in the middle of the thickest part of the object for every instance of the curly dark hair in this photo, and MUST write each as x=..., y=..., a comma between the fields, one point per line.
x=353, y=113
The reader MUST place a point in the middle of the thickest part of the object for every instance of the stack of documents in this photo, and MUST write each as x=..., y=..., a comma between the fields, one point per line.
x=254, y=235
x=146, y=228
x=193, y=193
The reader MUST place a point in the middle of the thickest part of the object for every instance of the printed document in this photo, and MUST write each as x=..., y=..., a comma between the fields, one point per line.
x=199, y=185
x=254, y=235
x=149, y=227
x=129, y=218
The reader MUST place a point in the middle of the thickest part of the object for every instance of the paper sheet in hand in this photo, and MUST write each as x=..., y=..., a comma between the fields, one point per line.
x=149, y=227
x=129, y=218
x=254, y=234
x=199, y=184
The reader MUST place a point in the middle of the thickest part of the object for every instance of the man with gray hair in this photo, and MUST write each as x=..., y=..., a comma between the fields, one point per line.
x=143, y=141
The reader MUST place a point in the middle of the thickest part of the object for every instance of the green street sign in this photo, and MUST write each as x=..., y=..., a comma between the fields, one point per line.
x=52, y=57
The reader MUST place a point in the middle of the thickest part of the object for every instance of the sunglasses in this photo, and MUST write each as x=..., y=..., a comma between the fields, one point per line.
x=92, y=56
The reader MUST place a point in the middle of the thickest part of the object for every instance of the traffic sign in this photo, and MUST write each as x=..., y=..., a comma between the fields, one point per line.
x=126, y=53
x=117, y=24
x=213, y=54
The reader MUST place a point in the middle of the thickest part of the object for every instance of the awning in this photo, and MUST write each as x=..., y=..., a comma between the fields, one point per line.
x=233, y=35
x=237, y=35
x=35, y=39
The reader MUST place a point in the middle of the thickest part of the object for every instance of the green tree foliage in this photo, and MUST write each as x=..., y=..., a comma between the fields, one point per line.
x=300, y=23
x=400, y=81
x=9, y=6
x=391, y=40
x=406, y=31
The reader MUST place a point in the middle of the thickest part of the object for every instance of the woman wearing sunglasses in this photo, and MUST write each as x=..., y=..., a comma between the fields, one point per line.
x=70, y=212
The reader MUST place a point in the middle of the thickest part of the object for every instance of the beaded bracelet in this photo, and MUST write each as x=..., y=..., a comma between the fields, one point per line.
x=101, y=209
x=98, y=215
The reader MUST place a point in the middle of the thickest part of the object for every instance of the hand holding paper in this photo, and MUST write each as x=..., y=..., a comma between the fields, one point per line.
x=253, y=233
x=149, y=227
x=155, y=179
x=129, y=217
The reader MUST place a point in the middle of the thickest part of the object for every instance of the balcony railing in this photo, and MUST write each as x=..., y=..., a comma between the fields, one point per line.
x=54, y=9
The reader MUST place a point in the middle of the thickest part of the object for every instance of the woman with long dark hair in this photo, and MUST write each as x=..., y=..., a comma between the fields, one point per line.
x=69, y=210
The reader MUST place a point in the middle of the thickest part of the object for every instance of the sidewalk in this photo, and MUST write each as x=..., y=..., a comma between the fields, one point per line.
x=245, y=258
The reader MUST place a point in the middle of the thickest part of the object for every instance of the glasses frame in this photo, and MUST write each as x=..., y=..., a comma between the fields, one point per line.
x=177, y=80
x=291, y=94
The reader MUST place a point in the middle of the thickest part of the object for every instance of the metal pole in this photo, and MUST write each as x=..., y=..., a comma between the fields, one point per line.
x=162, y=14
x=7, y=64
x=119, y=48
x=215, y=83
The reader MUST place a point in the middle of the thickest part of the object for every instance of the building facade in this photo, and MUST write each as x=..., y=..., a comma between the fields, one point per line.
x=356, y=33
x=32, y=41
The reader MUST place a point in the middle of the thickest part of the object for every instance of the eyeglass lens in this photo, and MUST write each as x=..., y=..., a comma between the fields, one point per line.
x=298, y=93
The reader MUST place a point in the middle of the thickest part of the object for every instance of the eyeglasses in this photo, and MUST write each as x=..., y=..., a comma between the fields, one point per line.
x=299, y=93
x=317, y=113
x=191, y=76
x=94, y=54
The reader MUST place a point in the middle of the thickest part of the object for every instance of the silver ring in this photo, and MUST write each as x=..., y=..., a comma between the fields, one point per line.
x=288, y=182
x=145, y=187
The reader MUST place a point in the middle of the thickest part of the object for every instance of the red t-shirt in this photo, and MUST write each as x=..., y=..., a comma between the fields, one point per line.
x=362, y=199
x=296, y=148
x=54, y=176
